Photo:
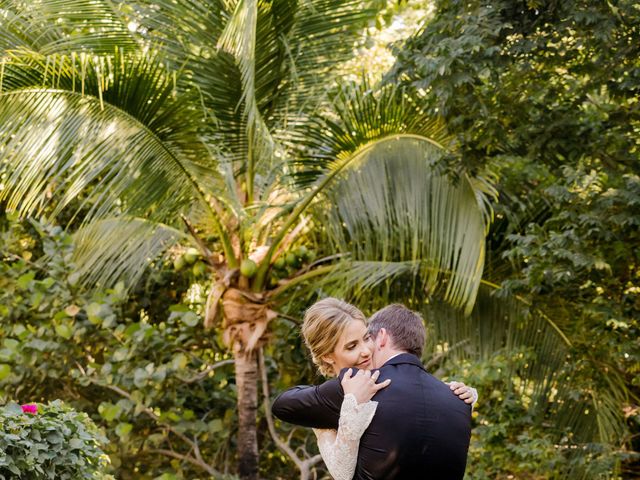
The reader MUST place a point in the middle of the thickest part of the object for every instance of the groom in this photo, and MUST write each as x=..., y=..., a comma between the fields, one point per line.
x=420, y=428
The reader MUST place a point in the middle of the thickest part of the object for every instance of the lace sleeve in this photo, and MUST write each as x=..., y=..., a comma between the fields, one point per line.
x=339, y=449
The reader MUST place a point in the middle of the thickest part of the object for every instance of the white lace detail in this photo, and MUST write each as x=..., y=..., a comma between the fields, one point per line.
x=339, y=449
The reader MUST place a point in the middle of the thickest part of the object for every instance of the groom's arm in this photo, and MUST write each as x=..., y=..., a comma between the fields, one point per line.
x=311, y=406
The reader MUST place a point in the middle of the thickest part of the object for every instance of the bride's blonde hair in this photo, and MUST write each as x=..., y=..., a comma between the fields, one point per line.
x=322, y=326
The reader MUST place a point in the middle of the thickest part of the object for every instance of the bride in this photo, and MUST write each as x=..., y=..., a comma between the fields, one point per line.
x=336, y=334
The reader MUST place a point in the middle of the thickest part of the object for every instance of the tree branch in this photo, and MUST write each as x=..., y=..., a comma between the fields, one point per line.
x=206, y=371
x=303, y=465
x=150, y=413
x=186, y=458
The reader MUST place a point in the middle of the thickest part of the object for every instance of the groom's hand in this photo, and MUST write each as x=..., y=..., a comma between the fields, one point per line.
x=363, y=384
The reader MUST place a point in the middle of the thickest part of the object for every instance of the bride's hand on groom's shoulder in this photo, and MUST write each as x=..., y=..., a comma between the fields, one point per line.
x=464, y=392
x=363, y=384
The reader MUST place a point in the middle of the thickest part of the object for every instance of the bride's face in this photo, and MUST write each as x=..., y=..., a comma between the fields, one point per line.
x=354, y=348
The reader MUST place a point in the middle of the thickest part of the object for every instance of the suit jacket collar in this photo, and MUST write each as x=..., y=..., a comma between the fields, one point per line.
x=404, y=358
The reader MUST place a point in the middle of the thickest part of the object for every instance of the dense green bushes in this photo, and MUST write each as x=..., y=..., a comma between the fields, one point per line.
x=136, y=366
x=50, y=442
x=543, y=98
x=146, y=375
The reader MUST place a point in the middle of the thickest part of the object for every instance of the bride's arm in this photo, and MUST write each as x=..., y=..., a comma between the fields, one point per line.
x=339, y=449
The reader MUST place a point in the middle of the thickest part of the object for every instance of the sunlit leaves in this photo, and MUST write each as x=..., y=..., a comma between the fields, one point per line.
x=419, y=216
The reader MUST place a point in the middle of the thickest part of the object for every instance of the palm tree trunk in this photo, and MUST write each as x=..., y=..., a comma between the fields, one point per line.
x=246, y=365
x=245, y=322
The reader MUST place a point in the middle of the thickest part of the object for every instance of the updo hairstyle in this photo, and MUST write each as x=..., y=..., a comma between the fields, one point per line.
x=322, y=326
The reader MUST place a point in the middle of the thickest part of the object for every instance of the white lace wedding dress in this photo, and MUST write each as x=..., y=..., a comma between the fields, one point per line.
x=339, y=448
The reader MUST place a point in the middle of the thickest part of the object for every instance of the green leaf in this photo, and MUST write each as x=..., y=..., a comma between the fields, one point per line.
x=55, y=438
x=20, y=331
x=76, y=443
x=25, y=280
x=216, y=426
x=11, y=344
x=109, y=411
x=190, y=319
x=13, y=408
x=131, y=329
x=64, y=330
x=60, y=315
x=179, y=361
x=120, y=354
x=48, y=282
x=167, y=476
x=123, y=429
x=94, y=311
x=5, y=371
x=140, y=377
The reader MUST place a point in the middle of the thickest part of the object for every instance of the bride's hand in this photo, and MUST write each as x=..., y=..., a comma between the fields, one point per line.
x=468, y=394
x=363, y=384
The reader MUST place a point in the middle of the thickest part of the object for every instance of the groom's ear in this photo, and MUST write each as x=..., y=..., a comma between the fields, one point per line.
x=382, y=338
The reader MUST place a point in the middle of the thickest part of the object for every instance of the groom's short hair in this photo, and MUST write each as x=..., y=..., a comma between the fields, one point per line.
x=405, y=327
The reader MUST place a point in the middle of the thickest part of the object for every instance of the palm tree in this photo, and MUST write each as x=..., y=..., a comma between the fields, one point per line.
x=221, y=123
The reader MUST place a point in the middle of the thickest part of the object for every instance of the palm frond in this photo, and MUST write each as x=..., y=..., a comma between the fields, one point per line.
x=112, y=123
x=232, y=80
x=186, y=31
x=58, y=26
x=540, y=366
x=240, y=39
x=359, y=278
x=120, y=249
x=393, y=204
x=360, y=124
x=322, y=36
x=356, y=116
x=72, y=143
x=374, y=159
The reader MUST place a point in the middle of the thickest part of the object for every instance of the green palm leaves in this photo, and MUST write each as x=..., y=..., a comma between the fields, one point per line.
x=572, y=401
x=133, y=117
x=104, y=137
x=383, y=157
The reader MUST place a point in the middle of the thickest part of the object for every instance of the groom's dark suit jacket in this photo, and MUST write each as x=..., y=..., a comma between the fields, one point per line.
x=420, y=430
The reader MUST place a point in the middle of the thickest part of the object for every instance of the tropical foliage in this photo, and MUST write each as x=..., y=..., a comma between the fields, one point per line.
x=545, y=97
x=221, y=123
x=51, y=441
x=213, y=170
x=136, y=365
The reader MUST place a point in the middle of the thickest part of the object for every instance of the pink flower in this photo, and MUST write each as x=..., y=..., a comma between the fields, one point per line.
x=31, y=408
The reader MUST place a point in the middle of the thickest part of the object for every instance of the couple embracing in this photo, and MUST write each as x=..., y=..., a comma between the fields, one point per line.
x=382, y=416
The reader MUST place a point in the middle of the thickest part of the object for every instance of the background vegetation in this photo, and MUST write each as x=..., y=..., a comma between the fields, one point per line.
x=541, y=106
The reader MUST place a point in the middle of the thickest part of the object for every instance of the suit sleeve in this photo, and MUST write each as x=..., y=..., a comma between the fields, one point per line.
x=311, y=406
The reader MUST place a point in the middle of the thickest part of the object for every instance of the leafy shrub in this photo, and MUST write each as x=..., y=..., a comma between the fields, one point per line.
x=57, y=442
x=133, y=363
